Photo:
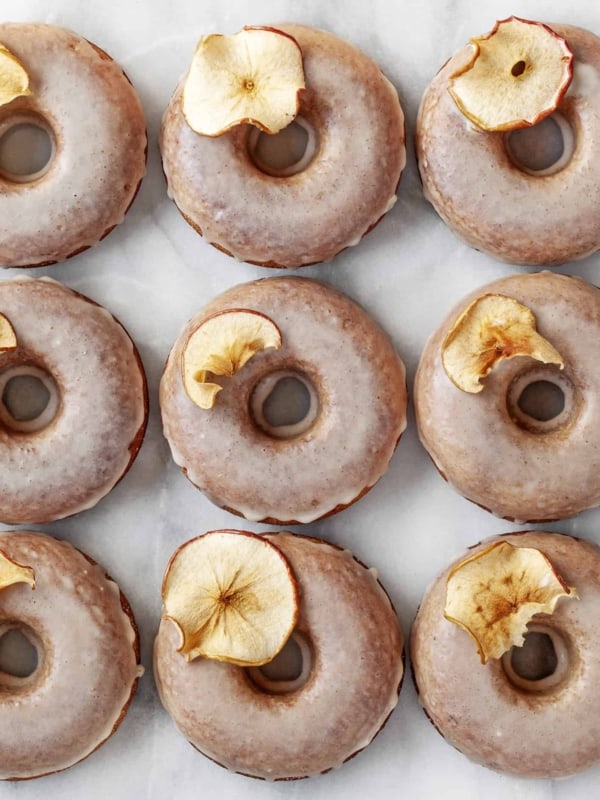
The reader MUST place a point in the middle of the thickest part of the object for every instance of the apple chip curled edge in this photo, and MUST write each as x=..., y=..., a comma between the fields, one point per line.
x=12, y=572
x=14, y=80
x=518, y=74
x=221, y=345
x=232, y=596
x=493, y=327
x=494, y=594
x=8, y=338
x=254, y=76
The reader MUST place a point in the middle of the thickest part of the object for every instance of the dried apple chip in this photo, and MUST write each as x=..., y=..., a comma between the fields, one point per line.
x=233, y=597
x=14, y=80
x=492, y=328
x=254, y=76
x=221, y=345
x=8, y=338
x=517, y=76
x=495, y=593
x=13, y=572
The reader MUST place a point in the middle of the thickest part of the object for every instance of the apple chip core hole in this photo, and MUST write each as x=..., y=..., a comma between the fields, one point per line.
x=541, y=663
x=18, y=654
x=285, y=153
x=541, y=400
x=542, y=149
x=27, y=149
x=29, y=398
x=288, y=671
x=284, y=404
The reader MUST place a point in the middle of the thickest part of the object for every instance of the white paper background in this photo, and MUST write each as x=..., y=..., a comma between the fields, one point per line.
x=154, y=272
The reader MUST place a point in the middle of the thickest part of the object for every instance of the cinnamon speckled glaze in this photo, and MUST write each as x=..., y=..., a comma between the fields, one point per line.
x=489, y=202
x=356, y=646
x=485, y=446
x=88, y=667
x=78, y=456
x=95, y=119
x=550, y=732
x=359, y=382
x=312, y=215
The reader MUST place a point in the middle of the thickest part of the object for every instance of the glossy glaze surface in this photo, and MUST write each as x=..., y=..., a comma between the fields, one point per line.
x=88, y=658
x=97, y=123
x=360, y=383
x=76, y=459
x=549, y=734
x=356, y=644
x=308, y=217
x=507, y=463
x=494, y=205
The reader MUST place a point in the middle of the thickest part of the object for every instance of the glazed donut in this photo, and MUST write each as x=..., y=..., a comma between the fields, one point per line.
x=348, y=633
x=503, y=720
x=94, y=118
x=492, y=447
x=65, y=458
x=342, y=447
x=353, y=114
x=85, y=637
x=543, y=217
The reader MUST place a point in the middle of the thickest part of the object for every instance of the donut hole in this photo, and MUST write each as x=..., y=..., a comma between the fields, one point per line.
x=285, y=153
x=27, y=149
x=29, y=398
x=19, y=653
x=536, y=659
x=542, y=149
x=541, y=400
x=284, y=404
x=288, y=671
x=541, y=663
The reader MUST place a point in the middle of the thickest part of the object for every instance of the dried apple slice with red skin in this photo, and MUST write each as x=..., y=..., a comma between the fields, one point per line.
x=254, y=76
x=518, y=74
x=492, y=328
x=221, y=345
x=495, y=593
x=12, y=572
x=233, y=597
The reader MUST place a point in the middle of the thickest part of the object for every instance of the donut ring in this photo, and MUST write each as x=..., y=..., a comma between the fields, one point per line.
x=352, y=633
x=494, y=205
x=353, y=373
x=85, y=636
x=95, y=121
x=71, y=456
x=479, y=708
x=307, y=217
x=489, y=449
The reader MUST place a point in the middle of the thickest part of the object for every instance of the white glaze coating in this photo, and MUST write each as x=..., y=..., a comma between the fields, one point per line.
x=521, y=474
x=311, y=216
x=492, y=204
x=352, y=629
x=88, y=658
x=360, y=381
x=100, y=142
x=70, y=465
x=478, y=710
